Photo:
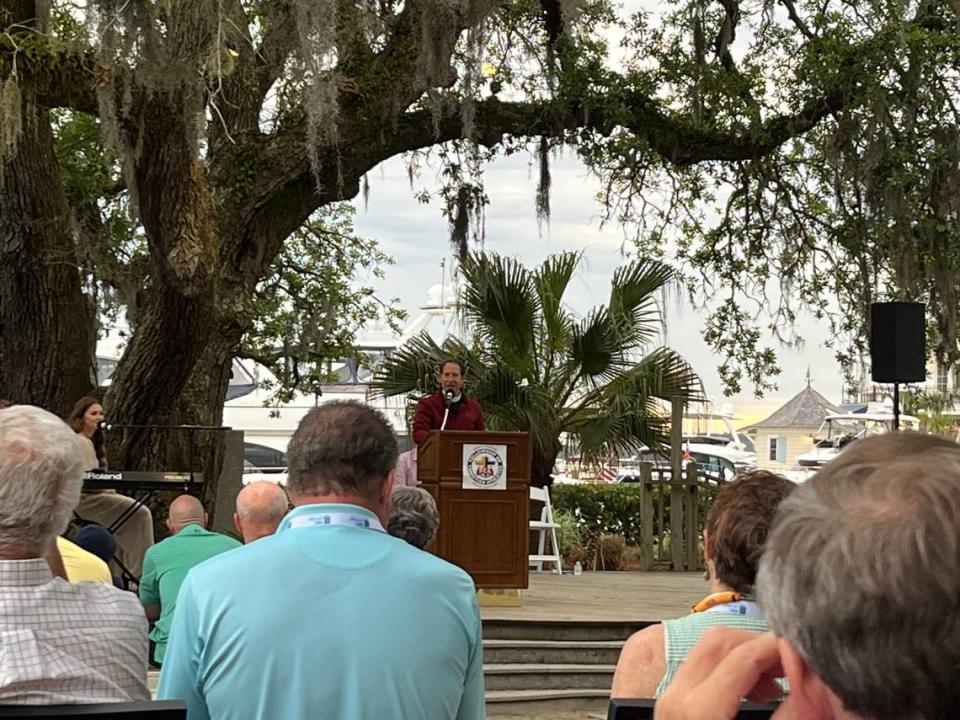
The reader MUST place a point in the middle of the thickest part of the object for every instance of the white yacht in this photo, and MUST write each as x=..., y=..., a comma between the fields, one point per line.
x=838, y=430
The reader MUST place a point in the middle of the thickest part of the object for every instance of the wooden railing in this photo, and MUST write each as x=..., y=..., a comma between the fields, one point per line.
x=673, y=512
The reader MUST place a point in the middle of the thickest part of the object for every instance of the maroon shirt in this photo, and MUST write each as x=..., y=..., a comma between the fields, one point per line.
x=464, y=415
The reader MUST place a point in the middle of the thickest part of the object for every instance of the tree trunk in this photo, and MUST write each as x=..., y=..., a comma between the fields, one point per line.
x=44, y=316
x=152, y=375
x=181, y=316
x=541, y=467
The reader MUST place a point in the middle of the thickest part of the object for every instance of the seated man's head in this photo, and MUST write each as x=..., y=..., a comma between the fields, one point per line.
x=98, y=540
x=41, y=475
x=185, y=510
x=413, y=516
x=737, y=526
x=859, y=580
x=343, y=452
x=261, y=506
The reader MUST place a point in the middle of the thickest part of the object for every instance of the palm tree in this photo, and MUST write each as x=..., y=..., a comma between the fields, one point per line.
x=534, y=366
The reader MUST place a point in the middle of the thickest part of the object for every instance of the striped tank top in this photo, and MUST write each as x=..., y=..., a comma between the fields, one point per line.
x=681, y=634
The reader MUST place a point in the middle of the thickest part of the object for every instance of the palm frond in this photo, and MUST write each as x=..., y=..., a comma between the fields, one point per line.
x=551, y=280
x=626, y=412
x=662, y=374
x=635, y=427
x=633, y=300
x=410, y=369
x=593, y=344
x=499, y=300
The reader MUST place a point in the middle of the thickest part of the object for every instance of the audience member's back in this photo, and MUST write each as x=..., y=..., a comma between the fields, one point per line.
x=166, y=564
x=59, y=643
x=734, y=536
x=860, y=576
x=330, y=616
x=388, y=618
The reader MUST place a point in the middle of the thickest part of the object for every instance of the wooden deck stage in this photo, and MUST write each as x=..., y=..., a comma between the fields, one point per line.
x=609, y=596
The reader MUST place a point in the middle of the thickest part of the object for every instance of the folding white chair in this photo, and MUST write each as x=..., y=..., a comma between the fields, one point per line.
x=545, y=526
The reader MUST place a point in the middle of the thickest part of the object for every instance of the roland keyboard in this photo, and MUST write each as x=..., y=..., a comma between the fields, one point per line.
x=139, y=480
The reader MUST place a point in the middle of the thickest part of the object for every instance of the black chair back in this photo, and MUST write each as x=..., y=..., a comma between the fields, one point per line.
x=642, y=709
x=156, y=710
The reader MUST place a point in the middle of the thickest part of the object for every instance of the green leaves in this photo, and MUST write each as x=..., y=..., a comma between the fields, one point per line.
x=308, y=310
x=499, y=299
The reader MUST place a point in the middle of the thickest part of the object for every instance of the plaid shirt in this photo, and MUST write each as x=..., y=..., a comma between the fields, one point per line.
x=68, y=644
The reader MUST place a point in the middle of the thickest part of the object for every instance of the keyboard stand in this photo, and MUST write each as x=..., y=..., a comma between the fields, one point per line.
x=138, y=502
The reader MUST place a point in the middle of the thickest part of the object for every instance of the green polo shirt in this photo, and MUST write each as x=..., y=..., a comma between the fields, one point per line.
x=165, y=566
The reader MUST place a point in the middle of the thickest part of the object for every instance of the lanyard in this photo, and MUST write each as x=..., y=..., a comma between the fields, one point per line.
x=732, y=603
x=323, y=519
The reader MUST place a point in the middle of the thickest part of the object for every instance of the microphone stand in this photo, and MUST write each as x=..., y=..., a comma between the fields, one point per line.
x=447, y=401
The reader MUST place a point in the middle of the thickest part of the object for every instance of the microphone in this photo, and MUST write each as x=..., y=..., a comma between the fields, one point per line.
x=448, y=397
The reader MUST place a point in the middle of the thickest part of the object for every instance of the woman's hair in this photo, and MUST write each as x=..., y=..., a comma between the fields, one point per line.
x=75, y=421
x=413, y=516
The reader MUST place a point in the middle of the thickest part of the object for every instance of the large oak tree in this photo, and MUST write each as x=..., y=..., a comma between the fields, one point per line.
x=235, y=120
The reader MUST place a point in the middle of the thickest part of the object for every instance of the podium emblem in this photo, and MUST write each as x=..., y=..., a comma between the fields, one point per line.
x=485, y=467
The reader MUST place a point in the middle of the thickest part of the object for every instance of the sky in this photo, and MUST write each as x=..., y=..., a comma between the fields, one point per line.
x=417, y=237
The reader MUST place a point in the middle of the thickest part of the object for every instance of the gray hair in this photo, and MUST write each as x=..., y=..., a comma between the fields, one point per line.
x=262, y=503
x=860, y=575
x=413, y=516
x=341, y=447
x=41, y=476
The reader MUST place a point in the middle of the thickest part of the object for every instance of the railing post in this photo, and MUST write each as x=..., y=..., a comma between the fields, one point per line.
x=676, y=484
x=691, y=519
x=647, y=519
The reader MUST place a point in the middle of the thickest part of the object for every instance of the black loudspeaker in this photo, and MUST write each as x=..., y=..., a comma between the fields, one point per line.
x=898, y=338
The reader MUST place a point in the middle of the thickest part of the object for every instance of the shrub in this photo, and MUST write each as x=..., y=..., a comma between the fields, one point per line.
x=601, y=509
x=612, y=552
x=569, y=534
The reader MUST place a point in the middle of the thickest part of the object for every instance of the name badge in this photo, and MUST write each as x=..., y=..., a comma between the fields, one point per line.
x=322, y=519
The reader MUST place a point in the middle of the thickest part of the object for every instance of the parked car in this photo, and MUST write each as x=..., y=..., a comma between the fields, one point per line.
x=261, y=462
x=712, y=468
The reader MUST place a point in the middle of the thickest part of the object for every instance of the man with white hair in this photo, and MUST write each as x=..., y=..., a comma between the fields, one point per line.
x=261, y=506
x=329, y=617
x=59, y=643
x=858, y=582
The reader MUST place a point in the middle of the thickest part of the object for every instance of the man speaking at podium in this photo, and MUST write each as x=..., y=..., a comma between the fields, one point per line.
x=450, y=408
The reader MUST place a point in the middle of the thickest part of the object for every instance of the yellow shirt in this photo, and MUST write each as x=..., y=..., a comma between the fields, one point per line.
x=82, y=566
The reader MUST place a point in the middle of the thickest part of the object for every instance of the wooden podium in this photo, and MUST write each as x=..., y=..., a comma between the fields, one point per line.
x=484, y=521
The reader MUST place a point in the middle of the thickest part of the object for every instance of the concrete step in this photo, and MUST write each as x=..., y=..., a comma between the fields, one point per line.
x=544, y=702
x=582, y=652
x=573, y=630
x=532, y=676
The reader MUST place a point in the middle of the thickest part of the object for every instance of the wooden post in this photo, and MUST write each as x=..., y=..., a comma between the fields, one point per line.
x=647, y=519
x=691, y=519
x=676, y=484
x=660, y=488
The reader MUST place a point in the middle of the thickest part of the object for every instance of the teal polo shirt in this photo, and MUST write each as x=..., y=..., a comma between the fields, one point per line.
x=328, y=620
x=165, y=566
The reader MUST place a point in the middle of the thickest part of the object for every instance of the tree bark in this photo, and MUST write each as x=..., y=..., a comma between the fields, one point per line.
x=44, y=316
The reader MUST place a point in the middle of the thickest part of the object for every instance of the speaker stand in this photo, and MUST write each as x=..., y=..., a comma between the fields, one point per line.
x=896, y=406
